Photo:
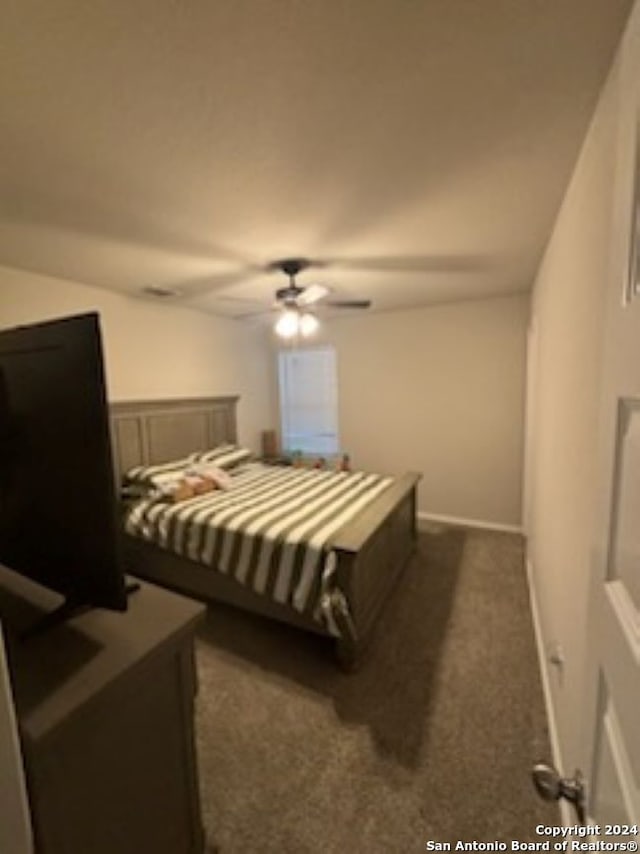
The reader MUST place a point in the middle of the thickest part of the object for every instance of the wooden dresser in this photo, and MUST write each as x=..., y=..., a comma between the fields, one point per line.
x=105, y=709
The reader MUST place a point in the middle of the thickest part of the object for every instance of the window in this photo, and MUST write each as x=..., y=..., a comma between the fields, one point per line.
x=309, y=400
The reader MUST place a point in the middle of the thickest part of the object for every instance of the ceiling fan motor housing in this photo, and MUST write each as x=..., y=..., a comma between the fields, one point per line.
x=289, y=295
x=292, y=266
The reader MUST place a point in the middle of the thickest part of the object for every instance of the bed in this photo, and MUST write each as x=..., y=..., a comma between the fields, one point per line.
x=362, y=558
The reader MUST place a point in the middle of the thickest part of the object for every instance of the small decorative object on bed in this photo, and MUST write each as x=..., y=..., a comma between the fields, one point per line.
x=317, y=548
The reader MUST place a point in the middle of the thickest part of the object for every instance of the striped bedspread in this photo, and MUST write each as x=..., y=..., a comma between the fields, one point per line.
x=271, y=530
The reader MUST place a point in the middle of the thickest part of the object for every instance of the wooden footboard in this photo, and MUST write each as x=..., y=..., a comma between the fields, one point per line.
x=372, y=553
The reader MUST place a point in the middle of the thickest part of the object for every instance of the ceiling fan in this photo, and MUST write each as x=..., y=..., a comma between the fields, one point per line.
x=294, y=296
x=294, y=301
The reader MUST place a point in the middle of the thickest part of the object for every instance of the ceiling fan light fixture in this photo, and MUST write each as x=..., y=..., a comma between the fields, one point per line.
x=309, y=324
x=288, y=324
x=293, y=322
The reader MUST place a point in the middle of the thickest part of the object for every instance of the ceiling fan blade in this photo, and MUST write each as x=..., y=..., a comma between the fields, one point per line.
x=312, y=293
x=252, y=315
x=349, y=303
x=230, y=298
x=435, y=263
x=214, y=282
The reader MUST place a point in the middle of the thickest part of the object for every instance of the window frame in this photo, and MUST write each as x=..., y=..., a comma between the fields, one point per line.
x=326, y=442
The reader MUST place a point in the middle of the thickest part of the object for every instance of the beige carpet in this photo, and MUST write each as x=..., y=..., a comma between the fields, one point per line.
x=433, y=739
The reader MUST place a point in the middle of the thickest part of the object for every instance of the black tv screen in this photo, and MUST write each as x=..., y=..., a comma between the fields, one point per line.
x=58, y=512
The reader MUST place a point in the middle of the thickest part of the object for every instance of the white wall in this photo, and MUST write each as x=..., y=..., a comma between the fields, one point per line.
x=439, y=390
x=568, y=313
x=153, y=350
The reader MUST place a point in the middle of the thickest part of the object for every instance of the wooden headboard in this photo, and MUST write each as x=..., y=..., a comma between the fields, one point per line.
x=155, y=431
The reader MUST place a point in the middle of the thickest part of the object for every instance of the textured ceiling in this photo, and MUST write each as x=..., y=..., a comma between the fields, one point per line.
x=418, y=148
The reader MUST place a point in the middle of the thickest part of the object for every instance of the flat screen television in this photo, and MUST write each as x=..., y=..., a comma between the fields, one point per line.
x=58, y=510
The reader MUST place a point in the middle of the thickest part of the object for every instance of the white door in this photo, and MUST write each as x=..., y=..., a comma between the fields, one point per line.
x=611, y=723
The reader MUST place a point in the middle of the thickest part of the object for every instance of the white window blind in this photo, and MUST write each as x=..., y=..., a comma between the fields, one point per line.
x=309, y=400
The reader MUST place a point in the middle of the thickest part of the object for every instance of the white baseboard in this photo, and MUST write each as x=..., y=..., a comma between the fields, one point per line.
x=566, y=812
x=469, y=523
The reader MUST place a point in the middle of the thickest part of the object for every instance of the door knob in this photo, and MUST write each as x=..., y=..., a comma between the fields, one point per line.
x=551, y=786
